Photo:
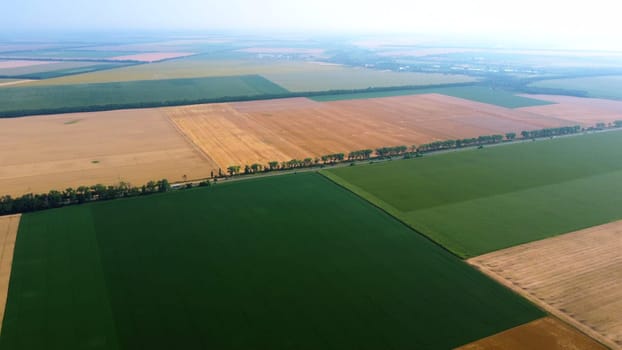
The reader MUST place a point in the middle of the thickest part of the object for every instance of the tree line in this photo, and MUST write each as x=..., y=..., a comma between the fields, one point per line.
x=82, y=194
x=408, y=151
x=225, y=99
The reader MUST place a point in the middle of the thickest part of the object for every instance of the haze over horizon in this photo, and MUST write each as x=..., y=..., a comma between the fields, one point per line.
x=559, y=23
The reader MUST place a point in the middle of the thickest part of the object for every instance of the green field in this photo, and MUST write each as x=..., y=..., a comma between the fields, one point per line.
x=609, y=87
x=286, y=262
x=347, y=78
x=52, y=70
x=477, y=201
x=46, y=99
x=474, y=93
x=292, y=75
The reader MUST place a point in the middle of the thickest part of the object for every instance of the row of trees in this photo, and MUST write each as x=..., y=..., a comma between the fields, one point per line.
x=55, y=199
x=82, y=194
x=468, y=142
x=548, y=132
x=360, y=154
x=392, y=151
x=411, y=151
x=184, y=102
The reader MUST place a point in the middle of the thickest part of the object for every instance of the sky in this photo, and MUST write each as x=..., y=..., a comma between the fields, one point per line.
x=589, y=23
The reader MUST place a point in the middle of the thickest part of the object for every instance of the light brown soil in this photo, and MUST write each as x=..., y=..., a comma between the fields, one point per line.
x=20, y=64
x=152, y=56
x=584, y=111
x=41, y=153
x=544, y=334
x=576, y=276
x=15, y=82
x=262, y=131
x=8, y=234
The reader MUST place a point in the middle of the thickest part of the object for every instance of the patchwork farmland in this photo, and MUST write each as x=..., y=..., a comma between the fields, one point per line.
x=281, y=130
x=598, y=87
x=237, y=266
x=150, y=57
x=578, y=110
x=366, y=256
x=55, y=152
x=292, y=75
x=499, y=197
x=215, y=136
x=25, y=100
x=481, y=94
x=575, y=276
x=49, y=69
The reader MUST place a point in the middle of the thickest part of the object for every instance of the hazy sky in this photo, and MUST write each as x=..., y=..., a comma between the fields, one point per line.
x=593, y=21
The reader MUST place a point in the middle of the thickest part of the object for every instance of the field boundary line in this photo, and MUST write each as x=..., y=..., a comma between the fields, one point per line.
x=544, y=305
x=7, y=249
x=384, y=210
x=187, y=138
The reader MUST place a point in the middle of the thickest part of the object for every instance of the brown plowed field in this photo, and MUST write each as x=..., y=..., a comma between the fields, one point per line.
x=578, y=110
x=576, y=276
x=8, y=235
x=41, y=153
x=544, y=334
x=262, y=131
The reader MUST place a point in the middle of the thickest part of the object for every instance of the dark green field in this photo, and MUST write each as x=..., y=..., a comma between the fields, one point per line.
x=474, y=93
x=66, y=98
x=478, y=201
x=287, y=262
x=609, y=87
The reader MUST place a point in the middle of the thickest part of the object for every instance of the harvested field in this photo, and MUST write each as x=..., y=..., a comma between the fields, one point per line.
x=21, y=63
x=481, y=94
x=151, y=56
x=576, y=276
x=262, y=131
x=578, y=110
x=38, y=154
x=544, y=334
x=8, y=235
